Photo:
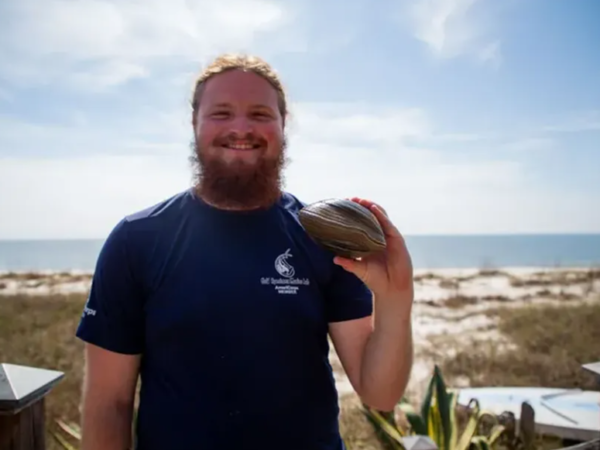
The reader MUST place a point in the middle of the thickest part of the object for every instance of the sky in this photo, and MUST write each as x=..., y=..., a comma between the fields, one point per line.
x=457, y=116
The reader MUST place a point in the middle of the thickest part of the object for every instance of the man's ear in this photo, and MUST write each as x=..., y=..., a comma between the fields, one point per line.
x=195, y=119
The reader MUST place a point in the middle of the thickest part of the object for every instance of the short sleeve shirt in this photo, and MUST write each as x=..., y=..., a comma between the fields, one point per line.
x=230, y=312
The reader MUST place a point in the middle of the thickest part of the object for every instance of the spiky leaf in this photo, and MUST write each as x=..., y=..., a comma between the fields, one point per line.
x=426, y=404
x=72, y=430
x=480, y=443
x=453, y=401
x=443, y=406
x=495, y=434
x=62, y=441
x=415, y=420
x=394, y=432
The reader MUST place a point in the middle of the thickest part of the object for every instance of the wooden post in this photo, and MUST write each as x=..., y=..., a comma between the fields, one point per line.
x=22, y=414
x=527, y=426
x=418, y=442
x=595, y=369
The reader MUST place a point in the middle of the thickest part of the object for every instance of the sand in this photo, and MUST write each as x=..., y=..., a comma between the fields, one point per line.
x=450, y=304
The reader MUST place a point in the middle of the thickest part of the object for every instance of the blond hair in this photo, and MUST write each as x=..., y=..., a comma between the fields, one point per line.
x=230, y=61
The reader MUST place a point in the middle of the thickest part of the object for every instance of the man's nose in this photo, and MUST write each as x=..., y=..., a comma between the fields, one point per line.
x=241, y=126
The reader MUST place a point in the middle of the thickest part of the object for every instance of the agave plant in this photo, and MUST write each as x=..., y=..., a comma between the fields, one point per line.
x=73, y=431
x=437, y=420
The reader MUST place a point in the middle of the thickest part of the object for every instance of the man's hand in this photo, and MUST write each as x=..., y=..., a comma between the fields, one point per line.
x=389, y=274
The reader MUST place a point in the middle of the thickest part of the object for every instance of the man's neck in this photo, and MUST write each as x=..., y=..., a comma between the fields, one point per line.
x=231, y=206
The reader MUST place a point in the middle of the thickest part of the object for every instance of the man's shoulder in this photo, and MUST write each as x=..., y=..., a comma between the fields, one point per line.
x=148, y=221
x=166, y=208
x=292, y=203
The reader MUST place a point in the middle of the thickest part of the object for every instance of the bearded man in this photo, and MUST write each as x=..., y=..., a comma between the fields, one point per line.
x=185, y=294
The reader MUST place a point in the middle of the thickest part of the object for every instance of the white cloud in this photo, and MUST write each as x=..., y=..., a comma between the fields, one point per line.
x=355, y=123
x=491, y=54
x=529, y=144
x=82, y=197
x=453, y=28
x=78, y=177
x=110, y=42
x=336, y=150
x=575, y=122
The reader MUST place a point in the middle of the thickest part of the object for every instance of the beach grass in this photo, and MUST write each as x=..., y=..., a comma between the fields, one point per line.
x=552, y=342
x=549, y=342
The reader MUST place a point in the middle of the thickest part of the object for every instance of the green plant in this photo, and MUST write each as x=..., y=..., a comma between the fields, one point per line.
x=438, y=419
x=73, y=431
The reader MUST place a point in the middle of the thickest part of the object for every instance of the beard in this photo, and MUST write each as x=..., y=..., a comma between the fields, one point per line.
x=238, y=185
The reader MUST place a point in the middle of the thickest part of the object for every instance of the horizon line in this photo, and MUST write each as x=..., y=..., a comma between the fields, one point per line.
x=407, y=235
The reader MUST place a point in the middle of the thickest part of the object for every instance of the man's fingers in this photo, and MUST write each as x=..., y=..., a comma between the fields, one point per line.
x=367, y=204
x=389, y=229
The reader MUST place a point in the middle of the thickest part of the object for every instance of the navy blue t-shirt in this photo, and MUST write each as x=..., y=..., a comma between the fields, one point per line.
x=230, y=313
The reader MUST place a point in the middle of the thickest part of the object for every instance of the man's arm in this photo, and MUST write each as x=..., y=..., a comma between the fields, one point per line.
x=112, y=327
x=372, y=337
x=378, y=356
x=377, y=353
x=108, y=397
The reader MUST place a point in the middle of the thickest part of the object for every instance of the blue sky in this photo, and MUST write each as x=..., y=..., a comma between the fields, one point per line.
x=458, y=116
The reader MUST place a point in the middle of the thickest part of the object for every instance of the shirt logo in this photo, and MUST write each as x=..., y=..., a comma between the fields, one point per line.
x=283, y=267
x=87, y=311
x=286, y=284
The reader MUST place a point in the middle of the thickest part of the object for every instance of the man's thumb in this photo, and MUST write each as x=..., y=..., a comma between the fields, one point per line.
x=351, y=265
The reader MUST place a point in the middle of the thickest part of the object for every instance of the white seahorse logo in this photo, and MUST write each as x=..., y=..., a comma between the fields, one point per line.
x=283, y=267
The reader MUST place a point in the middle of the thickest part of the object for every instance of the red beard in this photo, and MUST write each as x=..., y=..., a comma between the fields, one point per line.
x=240, y=185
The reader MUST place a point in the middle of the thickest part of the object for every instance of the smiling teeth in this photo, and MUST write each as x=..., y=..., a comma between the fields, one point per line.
x=240, y=146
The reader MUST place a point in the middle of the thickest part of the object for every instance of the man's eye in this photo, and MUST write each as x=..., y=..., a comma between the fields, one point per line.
x=219, y=114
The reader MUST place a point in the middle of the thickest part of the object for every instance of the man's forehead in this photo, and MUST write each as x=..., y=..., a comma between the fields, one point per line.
x=239, y=87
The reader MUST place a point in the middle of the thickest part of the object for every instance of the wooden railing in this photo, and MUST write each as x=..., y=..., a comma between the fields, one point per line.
x=22, y=407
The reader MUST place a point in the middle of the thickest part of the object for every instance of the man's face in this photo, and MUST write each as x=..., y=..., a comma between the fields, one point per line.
x=239, y=140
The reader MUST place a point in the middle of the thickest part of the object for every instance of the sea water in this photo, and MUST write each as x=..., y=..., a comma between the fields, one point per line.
x=456, y=251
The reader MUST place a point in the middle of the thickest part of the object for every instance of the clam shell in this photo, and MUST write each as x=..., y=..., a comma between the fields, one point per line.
x=344, y=227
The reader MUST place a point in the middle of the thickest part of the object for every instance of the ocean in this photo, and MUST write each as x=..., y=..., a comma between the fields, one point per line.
x=427, y=252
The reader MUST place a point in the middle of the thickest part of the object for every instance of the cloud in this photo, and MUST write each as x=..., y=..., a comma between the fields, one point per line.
x=575, y=122
x=529, y=144
x=82, y=197
x=453, y=28
x=93, y=43
x=75, y=164
x=337, y=150
x=148, y=132
x=491, y=54
x=356, y=123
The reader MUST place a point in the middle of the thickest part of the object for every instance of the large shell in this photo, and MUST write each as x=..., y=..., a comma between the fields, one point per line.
x=343, y=227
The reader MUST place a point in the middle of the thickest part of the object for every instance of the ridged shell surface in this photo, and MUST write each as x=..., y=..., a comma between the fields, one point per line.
x=343, y=227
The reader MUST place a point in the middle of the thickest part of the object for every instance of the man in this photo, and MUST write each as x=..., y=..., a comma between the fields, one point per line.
x=223, y=304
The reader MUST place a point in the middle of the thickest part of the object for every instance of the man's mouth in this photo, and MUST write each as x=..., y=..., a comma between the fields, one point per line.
x=241, y=146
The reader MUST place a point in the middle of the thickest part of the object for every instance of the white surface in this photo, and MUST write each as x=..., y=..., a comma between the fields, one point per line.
x=17, y=382
x=593, y=367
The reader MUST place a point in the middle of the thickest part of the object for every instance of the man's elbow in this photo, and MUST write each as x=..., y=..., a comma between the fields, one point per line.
x=384, y=396
x=385, y=402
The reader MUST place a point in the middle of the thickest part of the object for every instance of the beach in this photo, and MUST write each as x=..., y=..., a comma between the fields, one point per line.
x=451, y=308
x=482, y=326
